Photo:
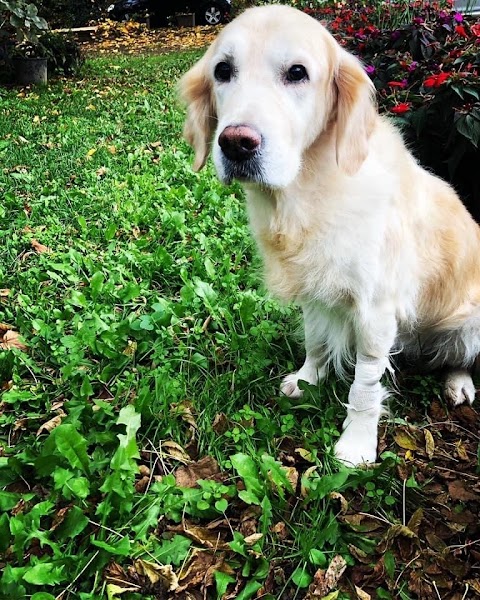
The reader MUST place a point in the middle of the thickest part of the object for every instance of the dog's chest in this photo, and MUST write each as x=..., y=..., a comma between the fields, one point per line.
x=329, y=254
x=302, y=265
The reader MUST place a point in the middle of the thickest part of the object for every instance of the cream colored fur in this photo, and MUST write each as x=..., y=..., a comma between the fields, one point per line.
x=381, y=255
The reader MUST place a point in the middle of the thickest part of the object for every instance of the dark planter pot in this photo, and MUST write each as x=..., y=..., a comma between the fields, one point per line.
x=186, y=20
x=30, y=71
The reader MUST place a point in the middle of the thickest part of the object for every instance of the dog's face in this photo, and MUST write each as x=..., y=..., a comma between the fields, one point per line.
x=267, y=88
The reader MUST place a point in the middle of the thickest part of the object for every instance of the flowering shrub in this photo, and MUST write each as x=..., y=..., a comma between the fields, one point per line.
x=427, y=73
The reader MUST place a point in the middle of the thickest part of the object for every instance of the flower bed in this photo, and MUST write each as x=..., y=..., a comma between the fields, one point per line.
x=427, y=73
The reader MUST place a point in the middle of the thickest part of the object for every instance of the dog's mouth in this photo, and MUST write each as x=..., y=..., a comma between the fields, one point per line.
x=249, y=170
x=241, y=154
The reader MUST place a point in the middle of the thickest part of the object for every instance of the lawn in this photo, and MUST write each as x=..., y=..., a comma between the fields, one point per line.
x=144, y=450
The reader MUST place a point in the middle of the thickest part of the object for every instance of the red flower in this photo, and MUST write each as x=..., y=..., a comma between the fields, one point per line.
x=396, y=84
x=475, y=29
x=401, y=108
x=460, y=29
x=436, y=80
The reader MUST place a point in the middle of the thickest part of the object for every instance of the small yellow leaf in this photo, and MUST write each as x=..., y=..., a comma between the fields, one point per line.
x=361, y=594
x=429, y=443
x=91, y=152
x=91, y=107
x=405, y=440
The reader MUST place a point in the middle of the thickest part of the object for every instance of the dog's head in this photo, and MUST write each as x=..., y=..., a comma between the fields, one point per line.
x=269, y=86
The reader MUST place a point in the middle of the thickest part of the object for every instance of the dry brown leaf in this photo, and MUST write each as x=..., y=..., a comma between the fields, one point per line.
x=292, y=476
x=415, y=521
x=335, y=570
x=51, y=424
x=205, y=468
x=11, y=339
x=4, y=292
x=280, y=529
x=155, y=573
x=220, y=423
x=250, y=540
x=185, y=412
x=199, y=572
x=342, y=499
x=429, y=443
x=4, y=327
x=458, y=491
x=174, y=450
x=202, y=535
x=40, y=248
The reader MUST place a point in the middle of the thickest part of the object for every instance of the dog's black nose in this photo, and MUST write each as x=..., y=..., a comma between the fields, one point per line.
x=239, y=142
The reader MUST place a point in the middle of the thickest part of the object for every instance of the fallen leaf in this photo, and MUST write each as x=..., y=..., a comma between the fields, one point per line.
x=205, y=468
x=305, y=454
x=155, y=573
x=39, y=248
x=4, y=292
x=461, y=450
x=202, y=535
x=199, y=572
x=361, y=594
x=342, y=499
x=11, y=339
x=220, y=423
x=405, y=440
x=280, y=529
x=335, y=570
x=175, y=451
x=429, y=443
x=458, y=491
x=250, y=540
x=51, y=424
x=415, y=521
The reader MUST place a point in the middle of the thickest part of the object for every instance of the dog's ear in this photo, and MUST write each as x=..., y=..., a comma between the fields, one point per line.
x=356, y=113
x=196, y=91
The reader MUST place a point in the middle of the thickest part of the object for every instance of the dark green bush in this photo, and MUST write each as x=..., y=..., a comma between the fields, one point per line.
x=63, y=53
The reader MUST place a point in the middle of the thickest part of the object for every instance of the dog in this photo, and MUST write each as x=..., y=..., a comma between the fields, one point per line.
x=380, y=254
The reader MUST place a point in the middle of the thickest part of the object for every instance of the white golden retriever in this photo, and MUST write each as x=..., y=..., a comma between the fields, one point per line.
x=380, y=254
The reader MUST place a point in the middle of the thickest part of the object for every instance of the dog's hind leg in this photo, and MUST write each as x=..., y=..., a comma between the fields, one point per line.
x=458, y=387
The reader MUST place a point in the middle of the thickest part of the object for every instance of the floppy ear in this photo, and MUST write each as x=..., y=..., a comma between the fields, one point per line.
x=356, y=113
x=196, y=91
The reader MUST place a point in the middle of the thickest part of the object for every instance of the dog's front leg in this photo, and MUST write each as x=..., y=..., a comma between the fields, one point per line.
x=358, y=442
x=315, y=366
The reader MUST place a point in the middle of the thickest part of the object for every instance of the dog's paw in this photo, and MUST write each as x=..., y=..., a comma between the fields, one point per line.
x=289, y=386
x=459, y=388
x=358, y=442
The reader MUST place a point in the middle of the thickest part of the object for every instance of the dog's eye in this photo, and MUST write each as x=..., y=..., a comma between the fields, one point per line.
x=223, y=72
x=296, y=73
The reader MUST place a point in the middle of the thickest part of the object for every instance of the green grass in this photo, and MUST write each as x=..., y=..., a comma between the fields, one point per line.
x=150, y=337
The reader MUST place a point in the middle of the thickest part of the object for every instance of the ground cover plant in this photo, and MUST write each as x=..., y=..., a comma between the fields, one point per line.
x=145, y=452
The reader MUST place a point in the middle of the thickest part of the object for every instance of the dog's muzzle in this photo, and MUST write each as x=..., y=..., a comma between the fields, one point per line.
x=241, y=147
